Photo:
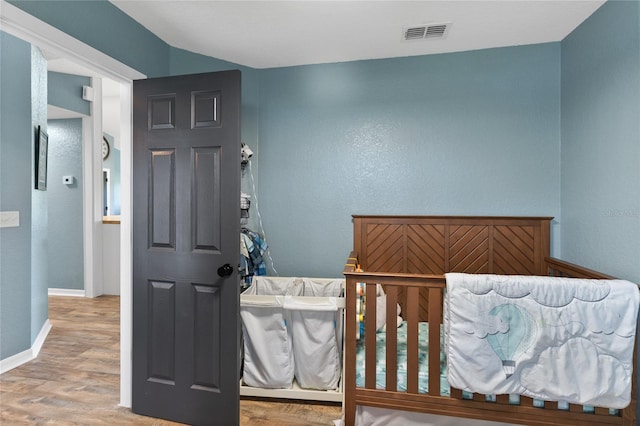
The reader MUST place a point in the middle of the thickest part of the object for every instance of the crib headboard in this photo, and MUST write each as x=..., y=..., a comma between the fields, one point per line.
x=440, y=244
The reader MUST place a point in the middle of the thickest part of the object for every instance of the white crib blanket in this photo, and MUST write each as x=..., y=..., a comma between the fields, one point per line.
x=555, y=339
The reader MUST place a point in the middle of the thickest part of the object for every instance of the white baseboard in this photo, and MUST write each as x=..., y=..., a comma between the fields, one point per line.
x=66, y=292
x=42, y=336
x=28, y=355
x=15, y=361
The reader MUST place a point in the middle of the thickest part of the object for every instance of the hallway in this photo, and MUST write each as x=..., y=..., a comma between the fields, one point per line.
x=75, y=379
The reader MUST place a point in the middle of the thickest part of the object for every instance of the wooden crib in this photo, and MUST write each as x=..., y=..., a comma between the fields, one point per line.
x=408, y=255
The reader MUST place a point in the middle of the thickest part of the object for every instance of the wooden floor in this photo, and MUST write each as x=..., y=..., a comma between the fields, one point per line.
x=76, y=378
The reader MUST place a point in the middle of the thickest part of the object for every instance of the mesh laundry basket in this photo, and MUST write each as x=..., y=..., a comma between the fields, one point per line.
x=268, y=357
x=316, y=330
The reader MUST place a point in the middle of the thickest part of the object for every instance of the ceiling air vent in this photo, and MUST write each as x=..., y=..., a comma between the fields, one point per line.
x=426, y=31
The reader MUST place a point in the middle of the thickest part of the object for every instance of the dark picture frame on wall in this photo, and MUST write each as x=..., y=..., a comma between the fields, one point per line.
x=42, y=145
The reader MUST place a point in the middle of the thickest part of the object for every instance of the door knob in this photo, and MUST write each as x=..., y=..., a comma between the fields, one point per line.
x=225, y=270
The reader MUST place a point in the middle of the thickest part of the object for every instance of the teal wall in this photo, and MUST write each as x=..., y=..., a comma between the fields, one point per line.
x=65, y=208
x=65, y=239
x=39, y=201
x=65, y=91
x=16, y=139
x=546, y=129
x=472, y=133
x=23, y=292
x=601, y=141
x=103, y=26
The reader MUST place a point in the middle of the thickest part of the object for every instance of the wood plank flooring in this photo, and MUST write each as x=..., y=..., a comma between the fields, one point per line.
x=75, y=379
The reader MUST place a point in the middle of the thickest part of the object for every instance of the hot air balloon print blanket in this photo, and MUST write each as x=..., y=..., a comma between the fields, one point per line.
x=550, y=338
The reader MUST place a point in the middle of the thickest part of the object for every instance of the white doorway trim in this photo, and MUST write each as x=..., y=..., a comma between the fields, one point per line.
x=92, y=189
x=20, y=24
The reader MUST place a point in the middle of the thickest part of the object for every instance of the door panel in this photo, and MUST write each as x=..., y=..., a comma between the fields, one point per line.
x=207, y=337
x=162, y=219
x=162, y=315
x=205, y=197
x=205, y=109
x=186, y=174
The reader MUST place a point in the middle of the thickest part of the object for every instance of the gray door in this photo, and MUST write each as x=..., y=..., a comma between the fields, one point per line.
x=186, y=208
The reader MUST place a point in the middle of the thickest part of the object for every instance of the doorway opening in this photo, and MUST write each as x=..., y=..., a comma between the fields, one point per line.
x=48, y=38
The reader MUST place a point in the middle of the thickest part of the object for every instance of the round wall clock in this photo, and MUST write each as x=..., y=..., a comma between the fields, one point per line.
x=105, y=148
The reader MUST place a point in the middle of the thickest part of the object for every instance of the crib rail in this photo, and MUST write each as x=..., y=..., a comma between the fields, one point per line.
x=414, y=292
x=560, y=268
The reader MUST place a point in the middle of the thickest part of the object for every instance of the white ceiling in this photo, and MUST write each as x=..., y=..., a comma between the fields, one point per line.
x=267, y=34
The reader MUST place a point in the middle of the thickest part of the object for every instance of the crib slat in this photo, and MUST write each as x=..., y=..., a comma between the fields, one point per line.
x=370, y=337
x=412, y=338
x=392, y=338
x=502, y=399
x=526, y=401
x=350, y=353
x=575, y=408
x=456, y=405
x=455, y=393
x=435, y=316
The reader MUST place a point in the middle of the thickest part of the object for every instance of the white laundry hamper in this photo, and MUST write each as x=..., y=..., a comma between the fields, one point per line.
x=315, y=309
x=268, y=357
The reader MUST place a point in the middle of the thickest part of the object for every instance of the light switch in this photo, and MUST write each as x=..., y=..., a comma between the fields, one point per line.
x=9, y=219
